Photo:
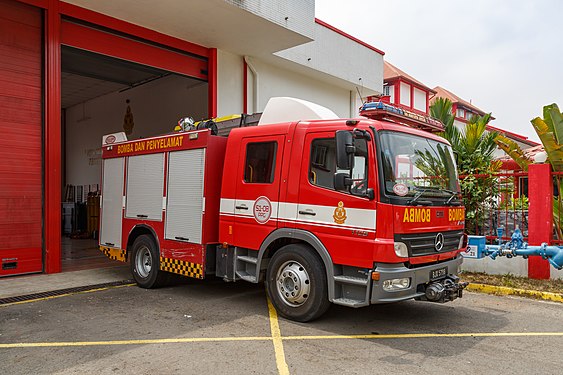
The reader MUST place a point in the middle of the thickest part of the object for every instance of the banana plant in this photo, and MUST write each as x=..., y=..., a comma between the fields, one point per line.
x=513, y=150
x=550, y=132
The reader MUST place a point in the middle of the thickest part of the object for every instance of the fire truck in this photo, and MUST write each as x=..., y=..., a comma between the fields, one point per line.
x=324, y=210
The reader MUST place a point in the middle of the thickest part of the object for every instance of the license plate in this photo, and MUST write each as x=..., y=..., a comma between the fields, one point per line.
x=439, y=273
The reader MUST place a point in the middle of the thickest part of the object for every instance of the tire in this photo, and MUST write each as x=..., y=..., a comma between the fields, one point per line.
x=145, y=263
x=296, y=283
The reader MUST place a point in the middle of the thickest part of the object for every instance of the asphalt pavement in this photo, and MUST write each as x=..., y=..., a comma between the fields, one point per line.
x=214, y=327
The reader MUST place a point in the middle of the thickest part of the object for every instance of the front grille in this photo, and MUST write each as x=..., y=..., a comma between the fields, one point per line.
x=423, y=243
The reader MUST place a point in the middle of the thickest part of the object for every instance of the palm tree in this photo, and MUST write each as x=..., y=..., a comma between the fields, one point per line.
x=474, y=149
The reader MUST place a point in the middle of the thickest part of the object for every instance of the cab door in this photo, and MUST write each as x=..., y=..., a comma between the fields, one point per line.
x=344, y=221
x=257, y=189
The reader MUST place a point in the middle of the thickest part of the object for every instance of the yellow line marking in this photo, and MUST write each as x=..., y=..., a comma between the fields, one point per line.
x=66, y=295
x=283, y=369
x=132, y=342
x=269, y=338
x=503, y=290
x=424, y=335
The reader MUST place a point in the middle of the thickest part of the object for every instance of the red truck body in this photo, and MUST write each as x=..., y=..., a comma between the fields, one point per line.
x=237, y=206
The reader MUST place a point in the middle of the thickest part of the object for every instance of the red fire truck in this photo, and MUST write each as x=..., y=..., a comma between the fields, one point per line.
x=349, y=211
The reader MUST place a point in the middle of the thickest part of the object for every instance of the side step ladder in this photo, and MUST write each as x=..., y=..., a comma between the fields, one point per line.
x=350, y=288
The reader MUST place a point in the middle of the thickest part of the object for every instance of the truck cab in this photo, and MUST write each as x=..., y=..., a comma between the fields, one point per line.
x=353, y=212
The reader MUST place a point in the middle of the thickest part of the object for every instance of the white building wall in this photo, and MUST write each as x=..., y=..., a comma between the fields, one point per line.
x=230, y=83
x=274, y=81
x=340, y=57
x=405, y=96
x=156, y=108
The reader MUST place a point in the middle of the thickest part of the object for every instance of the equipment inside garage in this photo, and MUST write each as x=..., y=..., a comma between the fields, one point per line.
x=102, y=95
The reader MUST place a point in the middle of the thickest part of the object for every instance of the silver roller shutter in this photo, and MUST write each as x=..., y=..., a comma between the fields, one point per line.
x=185, y=201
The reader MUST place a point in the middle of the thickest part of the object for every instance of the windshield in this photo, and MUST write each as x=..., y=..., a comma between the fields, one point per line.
x=418, y=167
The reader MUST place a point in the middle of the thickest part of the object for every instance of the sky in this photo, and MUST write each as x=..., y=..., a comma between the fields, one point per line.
x=505, y=56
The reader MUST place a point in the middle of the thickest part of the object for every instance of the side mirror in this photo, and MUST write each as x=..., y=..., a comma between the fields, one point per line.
x=345, y=150
x=342, y=182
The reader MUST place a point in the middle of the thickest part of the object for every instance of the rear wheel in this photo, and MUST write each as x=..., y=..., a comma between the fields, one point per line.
x=145, y=263
x=296, y=283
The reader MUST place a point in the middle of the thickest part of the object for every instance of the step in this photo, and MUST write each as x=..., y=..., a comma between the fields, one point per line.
x=349, y=302
x=351, y=280
x=246, y=276
x=247, y=259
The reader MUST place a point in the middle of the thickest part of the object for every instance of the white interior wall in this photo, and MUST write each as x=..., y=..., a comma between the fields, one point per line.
x=156, y=108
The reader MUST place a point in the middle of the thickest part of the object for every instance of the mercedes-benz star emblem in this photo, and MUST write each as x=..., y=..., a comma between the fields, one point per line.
x=439, y=242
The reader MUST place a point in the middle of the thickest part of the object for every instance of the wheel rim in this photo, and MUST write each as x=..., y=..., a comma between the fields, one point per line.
x=293, y=284
x=143, y=262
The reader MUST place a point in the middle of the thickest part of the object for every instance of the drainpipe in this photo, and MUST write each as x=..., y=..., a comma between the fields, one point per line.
x=254, y=83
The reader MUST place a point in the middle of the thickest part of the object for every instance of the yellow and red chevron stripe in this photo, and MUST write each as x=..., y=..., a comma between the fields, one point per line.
x=181, y=267
x=114, y=254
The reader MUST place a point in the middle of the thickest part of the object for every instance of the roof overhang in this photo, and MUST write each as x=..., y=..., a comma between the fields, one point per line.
x=250, y=28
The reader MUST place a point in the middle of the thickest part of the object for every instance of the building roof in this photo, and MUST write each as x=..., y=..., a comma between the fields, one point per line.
x=391, y=72
x=514, y=136
x=443, y=93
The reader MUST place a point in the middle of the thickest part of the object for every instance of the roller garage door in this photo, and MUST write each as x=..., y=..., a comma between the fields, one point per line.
x=20, y=138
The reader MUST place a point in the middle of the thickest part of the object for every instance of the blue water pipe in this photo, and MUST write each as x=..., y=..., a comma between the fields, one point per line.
x=515, y=247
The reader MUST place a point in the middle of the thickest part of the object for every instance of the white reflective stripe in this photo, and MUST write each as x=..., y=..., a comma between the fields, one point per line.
x=164, y=203
x=123, y=202
x=332, y=226
x=355, y=217
x=289, y=212
x=227, y=206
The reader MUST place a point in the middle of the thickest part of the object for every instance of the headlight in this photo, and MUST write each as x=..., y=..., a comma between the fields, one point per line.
x=463, y=241
x=401, y=250
x=396, y=284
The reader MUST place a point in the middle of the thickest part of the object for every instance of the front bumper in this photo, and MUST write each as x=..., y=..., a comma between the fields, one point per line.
x=418, y=277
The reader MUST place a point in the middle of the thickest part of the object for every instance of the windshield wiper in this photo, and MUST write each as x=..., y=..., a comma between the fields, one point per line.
x=418, y=195
x=453, y=195
x=421, y=190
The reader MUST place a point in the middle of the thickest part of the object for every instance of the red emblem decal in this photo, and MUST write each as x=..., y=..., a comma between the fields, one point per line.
x=262, y=210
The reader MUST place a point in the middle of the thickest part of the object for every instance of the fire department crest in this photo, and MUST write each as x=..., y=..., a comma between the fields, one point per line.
x=339, y=213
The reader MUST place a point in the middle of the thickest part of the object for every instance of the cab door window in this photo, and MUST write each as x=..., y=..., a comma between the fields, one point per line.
x=323, y=164
x=260, y=162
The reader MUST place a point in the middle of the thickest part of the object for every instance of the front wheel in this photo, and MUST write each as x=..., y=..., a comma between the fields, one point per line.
x=297, y=284
x=145, y=263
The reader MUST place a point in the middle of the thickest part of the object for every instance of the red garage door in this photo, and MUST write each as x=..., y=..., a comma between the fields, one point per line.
x=20, y=138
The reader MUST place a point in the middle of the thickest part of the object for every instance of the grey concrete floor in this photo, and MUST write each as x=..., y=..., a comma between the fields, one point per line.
x=108, y=331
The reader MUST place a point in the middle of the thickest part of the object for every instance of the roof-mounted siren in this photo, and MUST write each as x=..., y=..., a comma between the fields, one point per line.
x=284, y=109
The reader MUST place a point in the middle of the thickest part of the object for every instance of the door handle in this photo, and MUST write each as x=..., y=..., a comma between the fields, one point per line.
x=311, y=213
x=182, y=238
x=241, y=207
x=142, y=216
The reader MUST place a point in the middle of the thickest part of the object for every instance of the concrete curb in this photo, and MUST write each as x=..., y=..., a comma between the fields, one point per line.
x=503, y=290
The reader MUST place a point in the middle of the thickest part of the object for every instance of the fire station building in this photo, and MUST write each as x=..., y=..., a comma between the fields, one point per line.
x=73, y=71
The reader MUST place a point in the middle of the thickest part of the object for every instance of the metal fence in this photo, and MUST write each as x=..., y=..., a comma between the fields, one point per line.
x=507, y=209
